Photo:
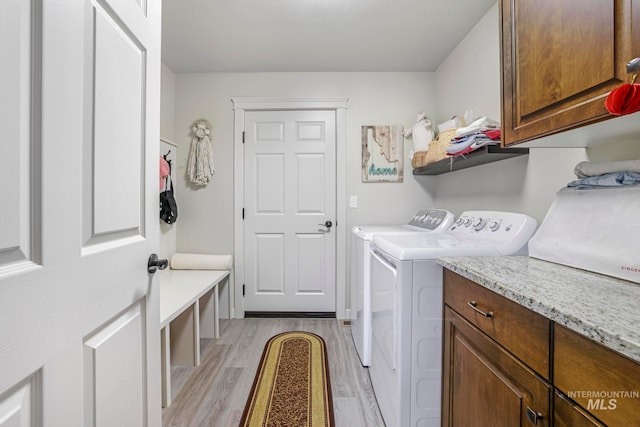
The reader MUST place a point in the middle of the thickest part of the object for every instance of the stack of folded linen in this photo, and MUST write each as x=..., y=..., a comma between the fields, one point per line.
x=606, y=174
x=481, y=132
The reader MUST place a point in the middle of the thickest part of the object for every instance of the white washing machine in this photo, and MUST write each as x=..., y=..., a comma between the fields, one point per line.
x=406, y=303
x=425, y=221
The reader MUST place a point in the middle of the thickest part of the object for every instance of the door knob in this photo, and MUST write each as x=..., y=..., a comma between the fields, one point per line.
x=327, y=224
x=154, y=264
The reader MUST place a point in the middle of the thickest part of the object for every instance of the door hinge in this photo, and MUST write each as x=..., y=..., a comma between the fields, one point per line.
x=243, y=289
x=242, y=213
x=243, y=137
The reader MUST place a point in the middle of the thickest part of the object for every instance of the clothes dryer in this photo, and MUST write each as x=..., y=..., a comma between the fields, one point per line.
x=406, y=303
x=425, y=221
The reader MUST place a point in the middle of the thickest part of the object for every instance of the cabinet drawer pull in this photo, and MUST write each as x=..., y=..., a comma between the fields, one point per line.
x=474, y=306
x=533, y=416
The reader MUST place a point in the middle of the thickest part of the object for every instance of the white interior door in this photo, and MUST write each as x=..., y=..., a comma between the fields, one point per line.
x=290, y=194
x=79, y=113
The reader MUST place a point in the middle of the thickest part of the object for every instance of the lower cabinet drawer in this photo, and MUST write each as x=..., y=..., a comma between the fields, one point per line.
x=603, y=382
x=485, y=385
x=521, y=331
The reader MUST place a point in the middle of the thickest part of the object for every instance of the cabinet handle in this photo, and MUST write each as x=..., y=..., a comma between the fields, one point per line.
x=533, y=416
x=474, y=306
x=633, y=65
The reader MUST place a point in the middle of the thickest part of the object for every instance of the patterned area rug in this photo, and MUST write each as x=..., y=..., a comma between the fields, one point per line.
x=291, y=387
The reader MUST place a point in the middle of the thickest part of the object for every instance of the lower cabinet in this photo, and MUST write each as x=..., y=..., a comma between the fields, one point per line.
x=491, y=379
x=484, y=385
x=566, y=413
x=602, y=382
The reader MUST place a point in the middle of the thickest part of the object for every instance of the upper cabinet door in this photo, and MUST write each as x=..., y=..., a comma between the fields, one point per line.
x=560, y=60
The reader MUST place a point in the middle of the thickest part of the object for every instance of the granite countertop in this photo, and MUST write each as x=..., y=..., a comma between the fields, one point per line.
x=600, y=307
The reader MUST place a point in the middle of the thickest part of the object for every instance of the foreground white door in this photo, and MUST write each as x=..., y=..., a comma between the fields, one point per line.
x=290, y=194
x=79, y=113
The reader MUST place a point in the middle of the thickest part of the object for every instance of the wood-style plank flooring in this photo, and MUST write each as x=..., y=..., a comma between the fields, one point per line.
x=215, y=392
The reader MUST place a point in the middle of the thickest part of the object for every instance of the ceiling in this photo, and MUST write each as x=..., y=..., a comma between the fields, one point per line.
x=201, y=36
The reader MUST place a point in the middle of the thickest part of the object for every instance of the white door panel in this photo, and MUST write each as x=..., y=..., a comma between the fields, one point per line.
x=113, y=356
x=80, y=120
x=16, y=407
x=118, y=75
x=290, y=185
x=269, y=184
x=269, y=264
x=311, y=269
x=15, y=121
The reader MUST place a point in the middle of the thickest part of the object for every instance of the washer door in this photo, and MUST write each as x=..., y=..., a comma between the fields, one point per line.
x=384, y=308
x=360, y=298
x=385, y=336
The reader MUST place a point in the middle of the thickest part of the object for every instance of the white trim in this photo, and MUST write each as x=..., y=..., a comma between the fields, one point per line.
x=171, y=143
x=341, y=211
x=258, y=104
x=238, y=231
x=339, y=105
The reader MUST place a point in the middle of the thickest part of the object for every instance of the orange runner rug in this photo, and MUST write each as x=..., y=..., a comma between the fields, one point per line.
x=291, y=387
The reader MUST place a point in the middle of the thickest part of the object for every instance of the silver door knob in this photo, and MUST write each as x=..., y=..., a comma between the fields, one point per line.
x=328, y=224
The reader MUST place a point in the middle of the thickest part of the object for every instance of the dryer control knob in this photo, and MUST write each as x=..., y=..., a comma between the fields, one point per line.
x=494, y=226
x=481, y=224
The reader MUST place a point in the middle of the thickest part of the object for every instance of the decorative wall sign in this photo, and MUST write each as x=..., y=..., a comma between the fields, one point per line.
x=382, y=153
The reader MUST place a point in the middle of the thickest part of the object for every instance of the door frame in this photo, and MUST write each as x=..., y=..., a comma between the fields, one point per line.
x=240, y=106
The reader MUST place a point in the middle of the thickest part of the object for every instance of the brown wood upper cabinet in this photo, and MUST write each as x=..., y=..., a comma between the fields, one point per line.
x=560, y=59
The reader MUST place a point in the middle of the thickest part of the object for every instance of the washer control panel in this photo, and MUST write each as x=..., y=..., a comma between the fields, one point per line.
x=432, y=219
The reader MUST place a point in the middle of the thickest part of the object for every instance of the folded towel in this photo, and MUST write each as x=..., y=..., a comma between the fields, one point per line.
x=480, y=125
x=614, y=179
x=201, y=262
x=493, y=134
x=461, y=153
x=482, y=142
x=585, y=169
x=459, y=144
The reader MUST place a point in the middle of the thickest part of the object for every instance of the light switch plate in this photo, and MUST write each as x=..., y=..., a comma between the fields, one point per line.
x=353, y=201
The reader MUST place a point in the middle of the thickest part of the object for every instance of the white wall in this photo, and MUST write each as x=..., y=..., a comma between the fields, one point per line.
x=206, y=215
x=167, y=132
x=470, y=79
x=167, y=104
x=374, y=98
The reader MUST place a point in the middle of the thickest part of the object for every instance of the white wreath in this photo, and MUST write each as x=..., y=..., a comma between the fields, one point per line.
x=200, y=167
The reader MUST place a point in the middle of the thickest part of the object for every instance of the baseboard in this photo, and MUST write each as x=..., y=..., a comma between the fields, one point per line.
x=291, y=314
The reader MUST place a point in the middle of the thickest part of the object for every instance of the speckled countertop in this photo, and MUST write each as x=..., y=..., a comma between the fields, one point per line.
x=597, y=306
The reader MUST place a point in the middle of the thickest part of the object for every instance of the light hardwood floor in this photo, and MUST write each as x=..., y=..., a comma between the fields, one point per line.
x=215, y=392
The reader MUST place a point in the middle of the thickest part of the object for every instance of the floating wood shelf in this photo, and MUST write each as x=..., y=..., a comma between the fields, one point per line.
x=481, y=156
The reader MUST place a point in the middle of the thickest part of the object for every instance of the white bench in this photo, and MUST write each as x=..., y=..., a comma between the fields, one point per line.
x=189, y=310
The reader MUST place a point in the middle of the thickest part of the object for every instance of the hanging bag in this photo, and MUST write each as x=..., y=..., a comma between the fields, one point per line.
x=168, y=205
